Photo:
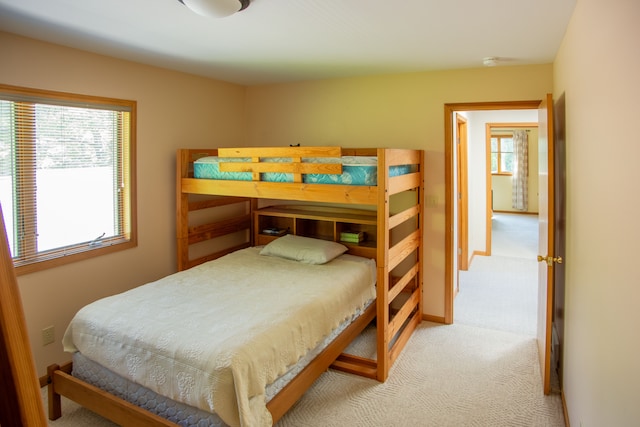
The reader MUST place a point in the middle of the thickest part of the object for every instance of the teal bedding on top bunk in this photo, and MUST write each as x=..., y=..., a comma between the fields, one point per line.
x=356, y=170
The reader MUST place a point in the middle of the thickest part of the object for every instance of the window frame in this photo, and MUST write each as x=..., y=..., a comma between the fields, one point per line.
x=128, y=164
x=499, y=152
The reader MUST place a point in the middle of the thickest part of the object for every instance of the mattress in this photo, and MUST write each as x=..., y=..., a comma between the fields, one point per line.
x=214, y=336
x=177, y=412
x=356, y=170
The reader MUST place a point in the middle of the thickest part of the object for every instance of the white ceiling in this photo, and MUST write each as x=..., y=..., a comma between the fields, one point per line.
x=291, y=40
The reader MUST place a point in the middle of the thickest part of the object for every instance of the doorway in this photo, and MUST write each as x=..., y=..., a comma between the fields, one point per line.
x=478, y=208
x=498, y=290
x=547, y=195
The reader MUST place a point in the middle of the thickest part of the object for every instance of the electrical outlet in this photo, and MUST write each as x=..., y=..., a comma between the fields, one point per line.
x=48, y=335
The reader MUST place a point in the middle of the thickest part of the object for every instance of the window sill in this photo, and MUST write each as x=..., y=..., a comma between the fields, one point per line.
x=79, y=256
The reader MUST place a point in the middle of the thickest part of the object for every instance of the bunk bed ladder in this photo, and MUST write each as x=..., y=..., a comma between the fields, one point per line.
x=394, y=332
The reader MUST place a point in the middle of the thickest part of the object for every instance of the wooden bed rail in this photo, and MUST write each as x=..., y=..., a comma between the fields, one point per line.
x=123, y=413
x=260, y=164
x=297, y=190
x=398, y=184
x=322, y=193
x=190, y=235
x=293, y=152
x=187, y=205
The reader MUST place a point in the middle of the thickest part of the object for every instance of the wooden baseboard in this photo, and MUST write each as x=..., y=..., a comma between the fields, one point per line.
x=564, y=410
x=478, y=253
x=434, y=319
x=516, y=212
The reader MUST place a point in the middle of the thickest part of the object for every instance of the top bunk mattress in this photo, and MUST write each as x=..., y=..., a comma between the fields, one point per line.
x=356, y=170
x=215, y=335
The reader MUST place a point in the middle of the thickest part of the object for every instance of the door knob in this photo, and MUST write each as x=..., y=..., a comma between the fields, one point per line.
x=550, y=260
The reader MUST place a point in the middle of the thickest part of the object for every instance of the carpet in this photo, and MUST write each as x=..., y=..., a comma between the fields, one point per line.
x=454, y=375
x=501, y=291
x=514, y=235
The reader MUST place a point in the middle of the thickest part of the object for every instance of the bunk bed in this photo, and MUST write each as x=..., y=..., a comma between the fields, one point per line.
x=232, y=200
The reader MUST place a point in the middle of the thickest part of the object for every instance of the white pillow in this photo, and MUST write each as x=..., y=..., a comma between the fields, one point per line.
x=304, y=249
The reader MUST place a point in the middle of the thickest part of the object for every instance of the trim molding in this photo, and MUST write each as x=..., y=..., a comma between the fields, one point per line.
x=479, y=253
x=432, y=318
x=517, y=212
x=564, y=409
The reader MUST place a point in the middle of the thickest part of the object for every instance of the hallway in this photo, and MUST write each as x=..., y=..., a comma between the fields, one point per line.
x=500, y=291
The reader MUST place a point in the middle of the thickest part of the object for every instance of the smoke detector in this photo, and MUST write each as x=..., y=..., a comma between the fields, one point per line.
x=490, y=61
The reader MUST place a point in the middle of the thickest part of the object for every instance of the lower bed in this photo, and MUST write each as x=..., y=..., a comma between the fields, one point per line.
x=222, y=337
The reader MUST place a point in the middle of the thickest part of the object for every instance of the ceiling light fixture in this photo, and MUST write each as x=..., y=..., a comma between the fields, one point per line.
x=216, y=8
x=490, y=61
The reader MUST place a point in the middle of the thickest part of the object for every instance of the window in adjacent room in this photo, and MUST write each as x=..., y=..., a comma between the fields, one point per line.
x=502, y=154
x=67, y=176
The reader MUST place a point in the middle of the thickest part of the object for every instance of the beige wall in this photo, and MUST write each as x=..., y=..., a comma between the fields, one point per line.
x=174, y=110
x=390, y=111
x=180, y=110
x=598, y=67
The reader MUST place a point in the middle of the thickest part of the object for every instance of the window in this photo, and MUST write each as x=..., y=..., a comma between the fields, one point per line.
x=67, y=176
x=501, y=154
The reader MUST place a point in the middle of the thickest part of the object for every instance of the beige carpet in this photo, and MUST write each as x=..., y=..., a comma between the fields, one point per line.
x=501, y=291
x=447, y=376
x=514, y=235
x=454, y=375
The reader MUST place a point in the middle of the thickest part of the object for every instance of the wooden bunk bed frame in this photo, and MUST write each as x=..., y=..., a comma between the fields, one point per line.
x=398, y=307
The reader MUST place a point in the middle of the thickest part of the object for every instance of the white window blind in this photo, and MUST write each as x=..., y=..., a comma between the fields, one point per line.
x=66, y=177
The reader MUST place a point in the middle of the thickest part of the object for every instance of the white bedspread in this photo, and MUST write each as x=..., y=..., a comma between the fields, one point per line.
x=214, y=336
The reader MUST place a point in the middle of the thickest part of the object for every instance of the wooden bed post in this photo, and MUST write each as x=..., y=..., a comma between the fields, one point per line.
x=421, y=226
x=182, y=210
x=54, y=399
x=383, y=339
x=253, y=207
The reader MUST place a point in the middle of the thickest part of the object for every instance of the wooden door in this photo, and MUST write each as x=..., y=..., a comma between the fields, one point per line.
x=20, y=401
x=559, y=144
x=546, y=235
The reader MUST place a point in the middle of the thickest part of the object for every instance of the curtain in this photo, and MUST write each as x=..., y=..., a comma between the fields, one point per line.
x=519, y=179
